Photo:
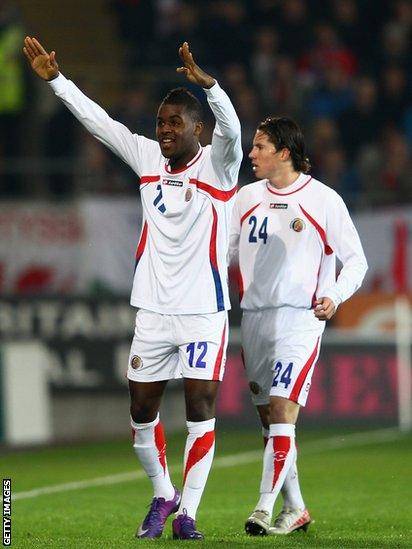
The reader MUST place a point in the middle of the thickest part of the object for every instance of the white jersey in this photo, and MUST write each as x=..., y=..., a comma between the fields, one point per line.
x=181, y=264
x=286, y=242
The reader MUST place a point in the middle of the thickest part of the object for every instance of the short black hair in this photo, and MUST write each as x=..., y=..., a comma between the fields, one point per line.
x=285, y=133
x=182, y=96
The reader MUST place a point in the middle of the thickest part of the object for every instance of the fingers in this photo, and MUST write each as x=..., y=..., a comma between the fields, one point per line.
x=39, y=47
x=325, y=309
x=27, y=54
x=33, y=47
x=185, y=55
x=29, y=48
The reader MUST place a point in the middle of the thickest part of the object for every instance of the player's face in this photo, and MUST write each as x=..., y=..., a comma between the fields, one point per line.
x=177, y=133
x=266, y=160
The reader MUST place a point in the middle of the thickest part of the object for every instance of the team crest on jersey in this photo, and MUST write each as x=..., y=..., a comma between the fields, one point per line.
x=254, y=387
x=298, y=225
x=188, y=195
x=278, y=206
x=136, y=362
x=172, y=182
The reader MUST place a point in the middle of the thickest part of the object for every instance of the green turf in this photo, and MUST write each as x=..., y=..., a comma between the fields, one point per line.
x=359, y=495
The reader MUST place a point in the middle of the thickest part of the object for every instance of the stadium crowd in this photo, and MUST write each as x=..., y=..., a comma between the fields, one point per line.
x=341, y=69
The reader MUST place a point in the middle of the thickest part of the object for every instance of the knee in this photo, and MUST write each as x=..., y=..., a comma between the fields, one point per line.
x=142, y=412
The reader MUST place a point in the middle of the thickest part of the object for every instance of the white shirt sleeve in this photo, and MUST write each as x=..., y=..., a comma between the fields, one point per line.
x=344, y=240
x=234, y=235
x=226, y=154
x=119, y=139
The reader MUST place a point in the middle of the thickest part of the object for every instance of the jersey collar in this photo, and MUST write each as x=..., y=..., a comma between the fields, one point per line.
x=188, y=165
x=296, y=186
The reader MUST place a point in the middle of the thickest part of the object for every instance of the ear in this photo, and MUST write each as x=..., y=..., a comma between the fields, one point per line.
x=198, y=128
x=285, y=155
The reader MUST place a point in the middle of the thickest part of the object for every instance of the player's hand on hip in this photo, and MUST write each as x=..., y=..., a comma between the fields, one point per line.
x=192, y=71
x=43, y=63
x=324, y=308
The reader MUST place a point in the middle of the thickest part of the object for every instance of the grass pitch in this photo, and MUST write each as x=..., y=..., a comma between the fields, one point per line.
x=357, y=486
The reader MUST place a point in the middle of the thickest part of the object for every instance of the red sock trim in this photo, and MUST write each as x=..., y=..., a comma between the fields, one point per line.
x=160, y=441
x=200, y=448
x=281, y=448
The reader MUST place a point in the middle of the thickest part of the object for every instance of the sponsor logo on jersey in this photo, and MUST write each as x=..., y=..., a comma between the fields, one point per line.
x=188, y=195
x=298, y=225
x=136, y=362
x=278, y=206
x=254, y=387
x=172, y=182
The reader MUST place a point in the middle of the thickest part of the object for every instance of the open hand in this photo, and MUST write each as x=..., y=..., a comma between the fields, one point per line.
x=43, y=63
x=324, y=308
x=192, y=71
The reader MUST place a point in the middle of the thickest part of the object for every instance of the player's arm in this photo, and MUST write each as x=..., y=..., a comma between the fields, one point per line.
x=95, y=119
x=226, y=153
x=344, y=240
x=234, y=234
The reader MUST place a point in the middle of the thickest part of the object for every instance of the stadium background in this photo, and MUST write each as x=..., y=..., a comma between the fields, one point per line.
x=70, y=211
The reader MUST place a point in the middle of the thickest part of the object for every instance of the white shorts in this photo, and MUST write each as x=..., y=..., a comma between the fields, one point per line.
x=280, y=348
x=175, y=346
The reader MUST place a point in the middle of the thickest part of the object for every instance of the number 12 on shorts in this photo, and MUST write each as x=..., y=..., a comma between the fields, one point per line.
x=197, y=352
x=282, y=374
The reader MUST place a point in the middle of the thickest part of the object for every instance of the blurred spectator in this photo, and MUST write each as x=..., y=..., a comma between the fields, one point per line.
x=296, y=27
x=386, y=172
x=12, y=96
x=322, y=133
x=334, y=94
x=336, y=172
x=263, y=59
x=288, y=94
x=326, y=53
x=360, y=124
x=394, y=94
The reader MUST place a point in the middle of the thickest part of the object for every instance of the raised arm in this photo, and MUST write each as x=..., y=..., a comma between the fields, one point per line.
x=226, y=153
x=119, y=139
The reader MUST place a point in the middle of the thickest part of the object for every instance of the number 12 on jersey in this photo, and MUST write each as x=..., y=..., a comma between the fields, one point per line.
x=262, y=232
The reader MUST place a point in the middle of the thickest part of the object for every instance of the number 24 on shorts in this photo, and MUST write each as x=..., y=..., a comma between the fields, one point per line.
x=282, y=374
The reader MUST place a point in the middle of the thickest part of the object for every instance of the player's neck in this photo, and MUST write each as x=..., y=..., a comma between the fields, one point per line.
x=180, y=162
x=282, y=180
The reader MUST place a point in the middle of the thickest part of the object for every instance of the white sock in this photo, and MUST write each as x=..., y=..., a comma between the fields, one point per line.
x=199, y=452
x=149, y=443
x=292, y=495
x=278, y=457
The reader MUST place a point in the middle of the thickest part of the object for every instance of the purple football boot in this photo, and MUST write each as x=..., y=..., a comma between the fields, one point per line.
x=154, y=522
x=184, y=527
